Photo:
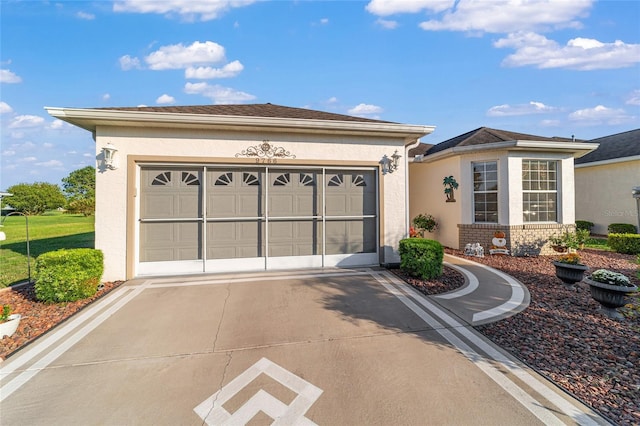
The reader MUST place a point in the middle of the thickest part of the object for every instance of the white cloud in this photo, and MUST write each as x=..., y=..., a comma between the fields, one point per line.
x=106, y=97
x=128, y=63
x=23, y=121
x=505, y=16
x=507, y=110
x=6, y=76
x=178, y=56
x=28, y=159
x=218, y=94
x=332, y=100
x=57, y=124
x=8, y=153
x=5, y=108
x=48, y=145
x=550, y=123
x=50, y=163
x=600, y=115
x=188, y=10
x=365, y=109
x=392, y=7
x=165, y=99
x=324, y=21
x=86, y=16
x=387, y=24
x=579, y=53
x=28, y=145
x=634, y=98
x=17, y=135
x=231, y=69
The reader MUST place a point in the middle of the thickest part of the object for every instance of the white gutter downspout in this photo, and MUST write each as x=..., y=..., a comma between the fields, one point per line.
x=407, y=220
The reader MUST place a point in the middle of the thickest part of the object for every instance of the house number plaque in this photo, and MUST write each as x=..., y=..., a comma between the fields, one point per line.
x=265, y=153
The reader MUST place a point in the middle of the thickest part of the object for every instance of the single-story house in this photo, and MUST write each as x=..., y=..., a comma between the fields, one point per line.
x=219, y=188
x=605, y=179
x=197, y=189
x=517, y=184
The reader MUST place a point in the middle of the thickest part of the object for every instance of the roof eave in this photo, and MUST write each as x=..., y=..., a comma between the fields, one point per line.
x=608, y=161
x=577, y=149
x=89, y=119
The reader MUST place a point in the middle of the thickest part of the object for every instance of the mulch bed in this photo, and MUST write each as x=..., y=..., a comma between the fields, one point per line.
x=449, y=280
x=37, y=317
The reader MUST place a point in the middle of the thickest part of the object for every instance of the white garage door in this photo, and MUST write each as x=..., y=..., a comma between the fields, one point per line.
x=215, y=219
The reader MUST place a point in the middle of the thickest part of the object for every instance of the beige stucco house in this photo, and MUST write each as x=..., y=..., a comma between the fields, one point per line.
x=605, y=179
x=519, y=184
x=195, y=189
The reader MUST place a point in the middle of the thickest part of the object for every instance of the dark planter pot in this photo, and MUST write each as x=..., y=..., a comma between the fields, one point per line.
x=570, y=274
x=609, y=296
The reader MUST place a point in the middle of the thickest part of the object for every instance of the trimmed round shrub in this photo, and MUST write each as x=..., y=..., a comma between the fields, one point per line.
x=584, y=225
x=421, y=258
x=624, y=243
x=68, y=275
x=622, y=228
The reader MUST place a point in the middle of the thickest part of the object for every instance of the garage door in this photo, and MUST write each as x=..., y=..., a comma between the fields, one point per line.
x=215, y=219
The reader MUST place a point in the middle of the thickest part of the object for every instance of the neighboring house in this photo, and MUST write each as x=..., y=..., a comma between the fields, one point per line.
x=196, y=189
x=605, y=179
x=519, y=184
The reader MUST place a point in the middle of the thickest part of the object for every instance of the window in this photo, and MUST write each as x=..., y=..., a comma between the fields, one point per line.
x=485, y=191
x=540, y=190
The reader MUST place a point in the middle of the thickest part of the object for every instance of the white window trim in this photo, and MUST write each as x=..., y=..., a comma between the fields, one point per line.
x=497, y=192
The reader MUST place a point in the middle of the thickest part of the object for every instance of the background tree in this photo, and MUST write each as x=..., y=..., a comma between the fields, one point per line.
x=35, y=198
x=80, y=189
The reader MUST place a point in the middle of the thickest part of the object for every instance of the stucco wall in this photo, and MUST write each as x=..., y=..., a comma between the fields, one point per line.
x=603, y=194
x=426, y=196
x=112, y=200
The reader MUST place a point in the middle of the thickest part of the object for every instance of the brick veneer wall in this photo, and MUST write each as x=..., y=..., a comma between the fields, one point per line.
x=522, y=240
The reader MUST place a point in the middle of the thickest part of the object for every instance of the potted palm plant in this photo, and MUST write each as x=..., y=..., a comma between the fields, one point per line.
x=609, y=289
x=569, y=269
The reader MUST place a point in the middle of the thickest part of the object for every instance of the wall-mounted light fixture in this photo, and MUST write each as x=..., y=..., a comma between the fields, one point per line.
x=109, y=155
x=390, y=165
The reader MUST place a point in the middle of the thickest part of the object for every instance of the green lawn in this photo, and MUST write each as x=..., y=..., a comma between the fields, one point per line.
x=46, y=233
x=597, y=243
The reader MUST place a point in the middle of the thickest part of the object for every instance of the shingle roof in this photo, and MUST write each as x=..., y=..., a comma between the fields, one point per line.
x=420, y=149
x=485, y=135
x=620, y=145
x=250, y=110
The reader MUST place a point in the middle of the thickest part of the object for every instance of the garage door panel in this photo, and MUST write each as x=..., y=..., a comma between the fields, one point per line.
x=230, y=240
x=295, y=238
x=157, y=206
x=188, y=206
x=281, y=205
x=351, y=236
x=169, y=241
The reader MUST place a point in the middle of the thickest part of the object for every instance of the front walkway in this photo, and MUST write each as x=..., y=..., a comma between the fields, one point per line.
x=328, y=347
x=488, y=296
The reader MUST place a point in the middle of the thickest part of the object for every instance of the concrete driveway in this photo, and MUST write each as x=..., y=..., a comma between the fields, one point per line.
x=331, y=347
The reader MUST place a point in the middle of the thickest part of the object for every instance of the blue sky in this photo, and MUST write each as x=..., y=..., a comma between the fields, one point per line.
x=545, y=67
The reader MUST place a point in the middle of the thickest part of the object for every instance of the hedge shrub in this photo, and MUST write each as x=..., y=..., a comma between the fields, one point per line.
x=624, y=243
x=622, y=228
x=68, y=275
x=421, y=258
x=584, y=224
